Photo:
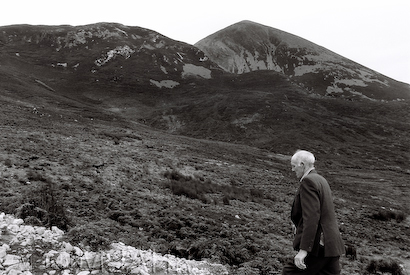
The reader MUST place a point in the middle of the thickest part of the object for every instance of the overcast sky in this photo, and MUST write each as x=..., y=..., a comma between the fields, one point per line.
x=374, y=33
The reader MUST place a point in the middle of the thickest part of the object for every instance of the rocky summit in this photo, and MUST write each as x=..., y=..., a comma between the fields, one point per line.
x=30, y=249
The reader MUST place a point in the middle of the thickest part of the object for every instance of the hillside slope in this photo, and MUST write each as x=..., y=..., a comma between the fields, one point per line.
x=105, y=179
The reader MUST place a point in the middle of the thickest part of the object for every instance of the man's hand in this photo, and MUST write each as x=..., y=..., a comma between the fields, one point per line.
x=300, y=259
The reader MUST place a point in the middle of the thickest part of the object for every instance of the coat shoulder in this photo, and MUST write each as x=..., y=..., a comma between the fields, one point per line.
x=314, y=176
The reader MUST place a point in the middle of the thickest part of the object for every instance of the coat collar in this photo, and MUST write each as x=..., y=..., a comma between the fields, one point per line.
x=307, y=173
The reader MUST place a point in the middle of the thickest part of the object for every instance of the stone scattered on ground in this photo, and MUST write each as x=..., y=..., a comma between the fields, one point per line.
x=26, y=249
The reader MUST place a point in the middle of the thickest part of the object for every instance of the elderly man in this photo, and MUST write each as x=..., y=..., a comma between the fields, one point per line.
x=317, y=237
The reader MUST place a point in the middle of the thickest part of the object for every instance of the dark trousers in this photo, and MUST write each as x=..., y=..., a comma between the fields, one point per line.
x=319, y=265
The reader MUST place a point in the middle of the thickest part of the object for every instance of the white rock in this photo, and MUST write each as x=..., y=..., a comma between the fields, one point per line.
x=63, y=260
x=141, y=270
x=68, y=247
x=93, y=259
x=18, y=221
x=48, y=235
x=14, y=228
x=160, y=267
x=40, y=230
x=26, y=239
x=13, y=272
x=78, y=251
x=27, y=230
x=57, y=231
x=116, y=265
x=51, y=253
x=3, y=250
x=20, y=268
x=3, y=254
x=97, y=263
x=11, y=260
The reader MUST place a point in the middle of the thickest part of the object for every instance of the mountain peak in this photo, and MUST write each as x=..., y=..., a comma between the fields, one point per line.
x=248, y=46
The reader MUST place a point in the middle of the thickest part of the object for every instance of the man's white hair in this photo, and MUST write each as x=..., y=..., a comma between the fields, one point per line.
x=303, y=156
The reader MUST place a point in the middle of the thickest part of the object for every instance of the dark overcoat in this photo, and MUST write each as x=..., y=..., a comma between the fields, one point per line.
x=313, y=214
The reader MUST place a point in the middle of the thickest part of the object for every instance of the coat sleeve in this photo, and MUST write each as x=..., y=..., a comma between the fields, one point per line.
x=310, y=202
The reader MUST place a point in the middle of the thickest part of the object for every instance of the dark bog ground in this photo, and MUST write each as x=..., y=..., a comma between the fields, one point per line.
x=111, y=179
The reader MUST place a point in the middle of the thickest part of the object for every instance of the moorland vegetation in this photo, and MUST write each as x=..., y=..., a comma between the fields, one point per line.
x=103, y=180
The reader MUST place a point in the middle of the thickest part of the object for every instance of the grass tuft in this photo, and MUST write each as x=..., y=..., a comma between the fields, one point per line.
x=389, y=214
x=383, y=266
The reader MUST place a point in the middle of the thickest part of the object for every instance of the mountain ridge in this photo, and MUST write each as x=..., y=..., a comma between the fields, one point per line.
x=307, y=63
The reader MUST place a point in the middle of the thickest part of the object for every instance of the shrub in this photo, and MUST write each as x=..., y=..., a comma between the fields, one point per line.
x=180, y=189
x=33, y=221
x=350, y=252
x=193, y=188
x=118, y=136
x=30, y=213
x=41, y=202
x=189, y=187
x=388, y=214
x=225, y=200
x=8, y=163
x=384, y=266
x=125, y=217
x=400, y=216
x=33, y=175
x=171, y=223
x=10, y=201
x=89, y=235
x=256, y=193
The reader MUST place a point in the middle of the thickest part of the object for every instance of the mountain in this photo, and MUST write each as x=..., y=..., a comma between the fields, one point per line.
x=119, y=134
x=247, y=46
x=146, y=77
x=129, y=56
x=118, y=66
